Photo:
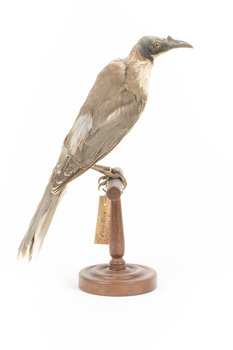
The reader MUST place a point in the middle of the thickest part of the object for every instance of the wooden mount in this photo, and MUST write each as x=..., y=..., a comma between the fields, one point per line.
x=117, y=278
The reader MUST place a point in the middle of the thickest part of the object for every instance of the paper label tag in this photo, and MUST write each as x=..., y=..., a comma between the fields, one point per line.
x=103, y=221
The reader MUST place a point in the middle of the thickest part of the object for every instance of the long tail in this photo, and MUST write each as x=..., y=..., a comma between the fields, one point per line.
x=39, y=225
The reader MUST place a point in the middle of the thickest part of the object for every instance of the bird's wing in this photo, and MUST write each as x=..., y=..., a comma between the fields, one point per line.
x=103, y=121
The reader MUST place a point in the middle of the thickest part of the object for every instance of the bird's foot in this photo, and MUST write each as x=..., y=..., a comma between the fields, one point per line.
x=102, y=182
x=109, y=173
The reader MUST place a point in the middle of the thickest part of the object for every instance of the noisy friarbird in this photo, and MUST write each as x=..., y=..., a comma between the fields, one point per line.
x=113, y=106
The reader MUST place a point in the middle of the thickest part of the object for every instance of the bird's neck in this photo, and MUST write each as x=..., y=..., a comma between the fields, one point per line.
x=138, y=72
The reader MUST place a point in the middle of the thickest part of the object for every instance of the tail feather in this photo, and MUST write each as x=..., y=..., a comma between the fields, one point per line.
x=39, y=225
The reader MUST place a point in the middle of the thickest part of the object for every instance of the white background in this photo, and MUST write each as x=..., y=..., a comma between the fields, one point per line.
x=178, y=162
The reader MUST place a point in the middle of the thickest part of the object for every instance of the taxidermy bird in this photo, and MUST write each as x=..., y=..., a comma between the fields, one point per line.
x=113, y=106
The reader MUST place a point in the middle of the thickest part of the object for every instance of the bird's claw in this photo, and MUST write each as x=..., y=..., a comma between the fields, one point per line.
x=112, y=173
x=103, y=183
x=118, y=175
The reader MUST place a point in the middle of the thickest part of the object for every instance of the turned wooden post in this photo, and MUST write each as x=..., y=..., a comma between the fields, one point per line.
x=116, y=237
x=117, y=278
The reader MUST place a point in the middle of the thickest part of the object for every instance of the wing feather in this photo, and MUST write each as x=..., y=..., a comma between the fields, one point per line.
x=101, y=124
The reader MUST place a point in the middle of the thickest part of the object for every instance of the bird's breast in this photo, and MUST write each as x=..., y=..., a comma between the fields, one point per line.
x=138, y=76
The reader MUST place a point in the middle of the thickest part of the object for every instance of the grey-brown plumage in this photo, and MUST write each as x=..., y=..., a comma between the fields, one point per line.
x=112, y=107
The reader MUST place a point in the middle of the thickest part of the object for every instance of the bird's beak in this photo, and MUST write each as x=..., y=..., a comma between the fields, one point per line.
x=175, y=44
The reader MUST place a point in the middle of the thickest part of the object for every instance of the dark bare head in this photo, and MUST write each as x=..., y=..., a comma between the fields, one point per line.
x=149, y=47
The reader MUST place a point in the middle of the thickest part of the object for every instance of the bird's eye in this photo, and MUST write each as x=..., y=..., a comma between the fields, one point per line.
x=153, y=46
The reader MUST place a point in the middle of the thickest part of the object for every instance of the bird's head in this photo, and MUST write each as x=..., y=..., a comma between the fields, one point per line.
x=149, y=47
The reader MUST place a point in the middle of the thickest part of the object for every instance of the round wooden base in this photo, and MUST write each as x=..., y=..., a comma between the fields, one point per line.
x=133, y=280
